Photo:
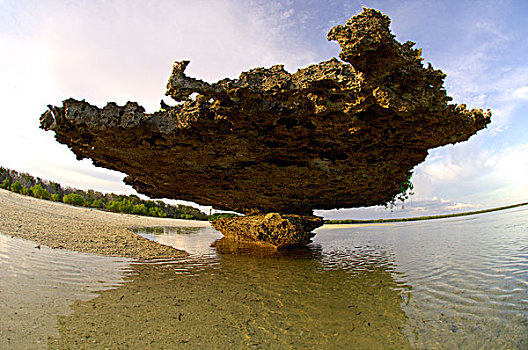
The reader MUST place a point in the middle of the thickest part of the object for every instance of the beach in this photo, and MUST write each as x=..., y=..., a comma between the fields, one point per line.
x=61, y=226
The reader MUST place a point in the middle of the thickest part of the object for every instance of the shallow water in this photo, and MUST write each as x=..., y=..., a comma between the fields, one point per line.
x=461, y=282
x=38, y=283
x=451, y=283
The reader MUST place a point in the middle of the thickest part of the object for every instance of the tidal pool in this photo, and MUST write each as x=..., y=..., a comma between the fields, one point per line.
x=451, y=283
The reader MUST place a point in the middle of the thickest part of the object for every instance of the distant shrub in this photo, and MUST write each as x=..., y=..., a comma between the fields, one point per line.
x=40, y=192
x=140, y=209
x=17, y=187
x=6, y=184
x=217, y=216
x=156, y=211
x=114, y=206
x=73, y=198
x=127, y=206
x=98, y=203
x=132, y=204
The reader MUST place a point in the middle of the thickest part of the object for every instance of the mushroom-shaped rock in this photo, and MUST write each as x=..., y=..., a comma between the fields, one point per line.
x=341, y=133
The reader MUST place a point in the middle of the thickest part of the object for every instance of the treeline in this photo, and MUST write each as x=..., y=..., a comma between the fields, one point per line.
x=420, y=218
x=26, y=184
x=216, y=216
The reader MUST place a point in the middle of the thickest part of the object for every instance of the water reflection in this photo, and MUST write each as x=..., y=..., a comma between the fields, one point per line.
x=306, y=298
x=351, y=288
x=38, y=283
x=194, y=240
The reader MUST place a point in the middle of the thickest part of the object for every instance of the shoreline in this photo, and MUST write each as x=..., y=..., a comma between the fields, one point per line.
x=62, y=226
x=371, y=222
x=87, y=230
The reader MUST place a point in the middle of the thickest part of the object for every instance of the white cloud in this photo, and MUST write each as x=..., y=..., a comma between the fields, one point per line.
x=470, y=174
x=413, y=207
x=119, y=51
x=124, y=50
x=521, y=93
x=512, y=169
x=458, y=206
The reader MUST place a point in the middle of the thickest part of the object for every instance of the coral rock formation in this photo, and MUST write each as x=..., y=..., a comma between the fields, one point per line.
x=278, y=230
x=341, y=133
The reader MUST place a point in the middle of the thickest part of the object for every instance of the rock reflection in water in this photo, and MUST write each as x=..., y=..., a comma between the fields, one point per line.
x=305, y=298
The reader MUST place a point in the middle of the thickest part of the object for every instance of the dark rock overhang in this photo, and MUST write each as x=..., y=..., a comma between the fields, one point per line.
x=341, y=133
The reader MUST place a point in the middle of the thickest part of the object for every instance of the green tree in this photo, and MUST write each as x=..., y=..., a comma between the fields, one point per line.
x=17, y=187
x=140, y=209
x=156, y=211
x=127, y=206
x=39, y=192
x=6, y=184
x=217, y=216
x=98, y=203
x=73, y=198
x=54, y=187
x=55, y=197
x=114, y=206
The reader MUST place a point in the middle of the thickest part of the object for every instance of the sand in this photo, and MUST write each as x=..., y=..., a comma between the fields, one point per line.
x=61, y=226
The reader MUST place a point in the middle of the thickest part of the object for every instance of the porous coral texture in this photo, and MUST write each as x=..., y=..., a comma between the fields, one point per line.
x=340, y=133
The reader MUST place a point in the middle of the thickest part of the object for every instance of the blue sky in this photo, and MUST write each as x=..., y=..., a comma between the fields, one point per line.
x=123, y=50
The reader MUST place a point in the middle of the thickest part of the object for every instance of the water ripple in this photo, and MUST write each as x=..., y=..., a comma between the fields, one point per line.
x=38, y=283
x=462, y=282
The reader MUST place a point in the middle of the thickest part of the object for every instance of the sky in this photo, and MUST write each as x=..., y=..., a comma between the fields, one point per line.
x=123, y=50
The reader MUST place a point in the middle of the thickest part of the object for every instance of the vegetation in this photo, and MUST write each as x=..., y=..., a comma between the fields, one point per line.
x=39, y=192
x=17, y=187
x=74, y=199
x=217, y=216
x=353, y=221
x=406, y=190
x=24, y=183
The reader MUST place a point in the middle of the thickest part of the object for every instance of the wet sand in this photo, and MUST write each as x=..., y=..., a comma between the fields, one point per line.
x=242, y=302
x=61, y=226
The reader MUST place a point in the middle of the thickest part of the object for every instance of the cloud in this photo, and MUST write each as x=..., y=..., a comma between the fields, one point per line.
x=471, y=174
x=119, y=51
x=459, y=162
x=411, y=208
x=124, y=50
x=512, y=169
x=85, y=176
x=521, y=93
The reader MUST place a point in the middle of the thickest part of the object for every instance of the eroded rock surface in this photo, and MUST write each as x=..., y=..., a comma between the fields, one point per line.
x=341, y=133
x=277, y=230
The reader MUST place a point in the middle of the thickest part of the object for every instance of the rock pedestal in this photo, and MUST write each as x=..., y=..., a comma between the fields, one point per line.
x=272, y=229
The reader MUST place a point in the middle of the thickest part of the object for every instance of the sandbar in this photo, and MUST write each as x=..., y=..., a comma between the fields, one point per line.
x=62, y=226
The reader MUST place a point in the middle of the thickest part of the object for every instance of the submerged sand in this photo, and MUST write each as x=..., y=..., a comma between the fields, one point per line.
x=58, y=225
